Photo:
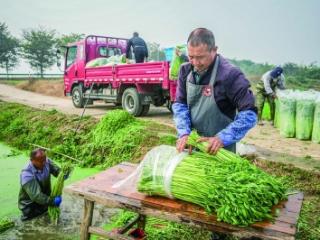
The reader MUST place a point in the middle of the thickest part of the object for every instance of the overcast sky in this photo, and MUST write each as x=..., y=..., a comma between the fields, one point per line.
x=273, y=31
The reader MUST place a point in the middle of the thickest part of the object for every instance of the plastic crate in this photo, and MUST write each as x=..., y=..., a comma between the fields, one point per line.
x=169, y=53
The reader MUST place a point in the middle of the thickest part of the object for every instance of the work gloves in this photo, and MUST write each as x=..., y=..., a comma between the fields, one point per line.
x=57, y=201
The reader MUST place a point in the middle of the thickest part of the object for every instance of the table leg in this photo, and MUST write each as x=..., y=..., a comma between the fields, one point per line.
x=87, y=219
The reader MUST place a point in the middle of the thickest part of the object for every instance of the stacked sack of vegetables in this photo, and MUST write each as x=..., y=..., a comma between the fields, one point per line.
x=304, y=114
x=297, y=114
x=235, y=190
x=287, y=108
x=316, y=121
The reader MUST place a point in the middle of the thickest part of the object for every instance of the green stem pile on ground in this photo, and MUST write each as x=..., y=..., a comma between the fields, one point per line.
x=54, y=211
x=159, y=229
x=115, y=138
x=236, y=190
x=5, y=224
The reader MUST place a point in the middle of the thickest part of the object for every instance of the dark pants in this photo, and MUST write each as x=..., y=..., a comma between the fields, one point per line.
x=32, y=211
x=139, y=56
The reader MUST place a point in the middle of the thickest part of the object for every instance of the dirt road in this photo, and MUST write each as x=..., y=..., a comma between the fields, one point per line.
x=265, y=139
x=12, y=94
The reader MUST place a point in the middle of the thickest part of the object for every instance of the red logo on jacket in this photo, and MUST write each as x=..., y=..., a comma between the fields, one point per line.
x=207, y=90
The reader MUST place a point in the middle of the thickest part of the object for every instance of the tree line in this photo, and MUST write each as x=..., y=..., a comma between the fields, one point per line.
x=38, y=48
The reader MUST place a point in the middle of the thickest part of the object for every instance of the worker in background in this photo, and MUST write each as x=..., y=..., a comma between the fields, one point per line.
x=35, y=190
x=266, y=90
x=179, y=58
x=139, y=48
x=213, y=97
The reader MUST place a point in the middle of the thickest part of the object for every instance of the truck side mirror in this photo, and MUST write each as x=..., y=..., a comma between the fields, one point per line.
x=58, y=55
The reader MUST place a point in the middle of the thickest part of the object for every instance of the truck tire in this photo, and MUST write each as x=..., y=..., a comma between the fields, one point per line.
x=77, y=97
x=145, y=110
x=131, y=102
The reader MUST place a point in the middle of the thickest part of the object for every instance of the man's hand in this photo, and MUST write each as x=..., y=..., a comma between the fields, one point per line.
x=182, y=143
x=214, y=144
x=57, y=201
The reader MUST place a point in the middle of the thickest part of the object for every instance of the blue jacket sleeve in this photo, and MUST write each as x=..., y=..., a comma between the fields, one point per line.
x=244, y=121
x=182, y=118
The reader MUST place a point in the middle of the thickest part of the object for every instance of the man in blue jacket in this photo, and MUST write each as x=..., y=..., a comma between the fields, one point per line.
x=35, y=190
x=213, y=97
x=139, y=48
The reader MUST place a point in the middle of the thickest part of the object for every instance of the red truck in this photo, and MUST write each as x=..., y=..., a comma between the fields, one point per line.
x=134, y=86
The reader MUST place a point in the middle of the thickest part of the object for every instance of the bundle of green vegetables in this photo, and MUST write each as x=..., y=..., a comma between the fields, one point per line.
x=287, y=107
x=5, y=224
x=54, y=211
x=266, y=115
x=225, y=184
x=304, y=115
x=177, y=61
x=316, y=122
x=110, y=61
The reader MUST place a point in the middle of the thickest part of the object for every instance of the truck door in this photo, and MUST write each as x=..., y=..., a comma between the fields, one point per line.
x=71, y=66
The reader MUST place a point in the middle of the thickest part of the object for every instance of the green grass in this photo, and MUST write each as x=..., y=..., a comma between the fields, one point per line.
x=117, y=137
x=13, y=82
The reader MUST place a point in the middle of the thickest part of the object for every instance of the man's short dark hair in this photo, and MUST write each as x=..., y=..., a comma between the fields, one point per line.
x=135, y=34
x=202, y=36
x=34, y=152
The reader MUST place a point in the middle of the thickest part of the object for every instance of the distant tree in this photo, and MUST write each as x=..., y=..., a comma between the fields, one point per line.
x=69, y=38
x=8, y=49
x=251, y=68
x=38, y=48
x=155, y=52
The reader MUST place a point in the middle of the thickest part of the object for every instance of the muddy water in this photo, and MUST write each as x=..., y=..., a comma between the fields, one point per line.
x=11, y=163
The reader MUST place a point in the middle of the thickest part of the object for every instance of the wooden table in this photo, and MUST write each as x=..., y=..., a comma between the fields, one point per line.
x=98, y=189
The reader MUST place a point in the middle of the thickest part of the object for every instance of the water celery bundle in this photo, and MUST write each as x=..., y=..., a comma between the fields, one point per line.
x=54, y=211
x=5, y=224
x=235, y=190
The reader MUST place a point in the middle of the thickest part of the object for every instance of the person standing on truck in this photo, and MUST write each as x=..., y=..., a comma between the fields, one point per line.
x=213, y=97
x=139, y=48
x=35, y=190
x=266, y=90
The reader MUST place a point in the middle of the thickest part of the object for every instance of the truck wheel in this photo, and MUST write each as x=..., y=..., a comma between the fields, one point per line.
x=77, y=97
x=131, y=102
x=145, y=110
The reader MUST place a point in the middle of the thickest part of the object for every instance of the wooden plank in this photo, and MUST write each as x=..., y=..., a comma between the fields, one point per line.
x=99, y=189
x=87, y=220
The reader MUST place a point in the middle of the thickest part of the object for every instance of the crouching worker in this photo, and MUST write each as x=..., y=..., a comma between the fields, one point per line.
x=34, y=195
